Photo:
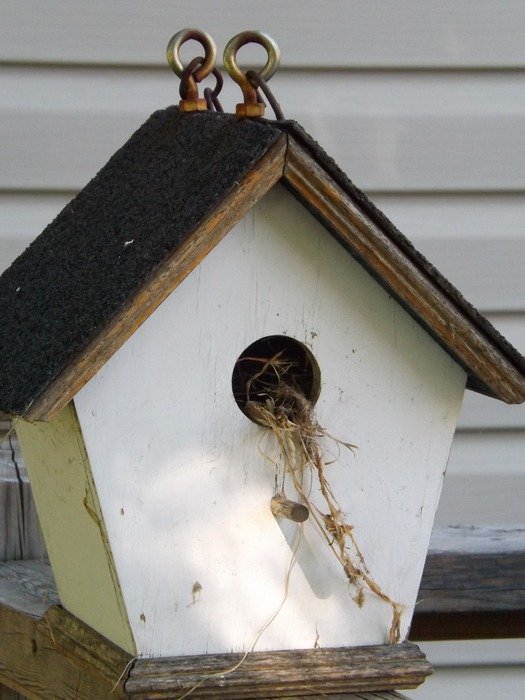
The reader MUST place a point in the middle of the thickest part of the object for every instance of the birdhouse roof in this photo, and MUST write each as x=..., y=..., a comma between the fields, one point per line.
x=161, y=203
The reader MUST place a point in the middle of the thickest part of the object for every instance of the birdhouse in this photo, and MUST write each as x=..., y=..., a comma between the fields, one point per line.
x=235, y=386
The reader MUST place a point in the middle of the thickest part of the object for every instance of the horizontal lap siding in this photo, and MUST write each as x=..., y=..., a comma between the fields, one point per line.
x=335, y=33
x=421, y=103
x=435, y=132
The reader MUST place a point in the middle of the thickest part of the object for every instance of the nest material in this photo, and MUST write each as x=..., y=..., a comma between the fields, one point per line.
x=289, y=415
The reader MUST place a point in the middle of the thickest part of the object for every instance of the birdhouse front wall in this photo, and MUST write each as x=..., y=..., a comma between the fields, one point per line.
x=184, y=479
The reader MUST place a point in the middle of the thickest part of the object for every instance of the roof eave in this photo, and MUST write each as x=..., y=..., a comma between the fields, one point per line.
x=489, y=367
x=166, y=277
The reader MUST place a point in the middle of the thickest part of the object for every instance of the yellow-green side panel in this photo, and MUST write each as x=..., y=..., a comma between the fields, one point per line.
x=73, y=526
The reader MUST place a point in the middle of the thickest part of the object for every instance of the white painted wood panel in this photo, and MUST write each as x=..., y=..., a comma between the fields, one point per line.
x=169, y=447
x=357, y=33
x=438, y=132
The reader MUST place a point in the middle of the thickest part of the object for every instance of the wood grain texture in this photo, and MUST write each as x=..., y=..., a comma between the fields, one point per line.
x=28, y=586
x=356, y=33
x=411, y=285
x=167, y=277
x=473, y=585
x=56, y=656
x=284, y=508
x=281, y=674
x=497, y=584
x=474, y=569
x=20, y=536
x=86, y=650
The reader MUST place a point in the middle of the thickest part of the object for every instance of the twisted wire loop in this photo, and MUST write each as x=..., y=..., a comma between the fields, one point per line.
x=211, y=96
x=198, y=69
x=259, y=82
x=252, y=106
x=188, y=89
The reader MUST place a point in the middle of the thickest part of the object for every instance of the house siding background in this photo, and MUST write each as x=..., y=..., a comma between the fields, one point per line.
x=421, y=103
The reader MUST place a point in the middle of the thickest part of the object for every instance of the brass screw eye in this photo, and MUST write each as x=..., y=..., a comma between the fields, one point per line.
x=191, y=102
x=250, y=107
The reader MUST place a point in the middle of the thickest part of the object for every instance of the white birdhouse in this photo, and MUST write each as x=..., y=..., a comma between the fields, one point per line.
x=148, y=336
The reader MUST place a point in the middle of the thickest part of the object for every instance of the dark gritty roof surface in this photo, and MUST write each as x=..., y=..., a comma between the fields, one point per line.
x=69, y=284
x=78, y=273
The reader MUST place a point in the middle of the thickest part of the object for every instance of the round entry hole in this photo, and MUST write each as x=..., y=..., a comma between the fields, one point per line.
x=270, y=362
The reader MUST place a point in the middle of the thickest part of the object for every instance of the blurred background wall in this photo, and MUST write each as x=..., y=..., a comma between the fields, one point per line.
x=421, y=103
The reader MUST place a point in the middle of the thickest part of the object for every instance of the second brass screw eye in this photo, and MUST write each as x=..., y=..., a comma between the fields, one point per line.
x=200, y=68
x=250, y=107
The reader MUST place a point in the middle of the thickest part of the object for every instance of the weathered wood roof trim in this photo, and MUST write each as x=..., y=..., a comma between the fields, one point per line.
x=149, y=217
x=493, y=366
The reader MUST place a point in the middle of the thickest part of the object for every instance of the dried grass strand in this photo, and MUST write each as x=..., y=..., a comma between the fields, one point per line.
x=262, y=629
x=289, y=416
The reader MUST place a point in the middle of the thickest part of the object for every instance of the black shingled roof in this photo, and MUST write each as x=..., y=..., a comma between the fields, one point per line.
x=78, y=274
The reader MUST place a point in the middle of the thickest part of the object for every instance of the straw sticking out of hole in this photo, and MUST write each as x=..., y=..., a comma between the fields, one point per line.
x=266, y=363
x=277, y=400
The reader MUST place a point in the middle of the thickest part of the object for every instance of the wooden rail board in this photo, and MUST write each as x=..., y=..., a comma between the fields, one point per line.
x=280, y=674
x=474, y=569
x=20, y=536
x=57, y=656
x=473, y=587
x=48, y=653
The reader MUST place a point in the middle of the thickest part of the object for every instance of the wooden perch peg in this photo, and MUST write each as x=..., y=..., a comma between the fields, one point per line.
x=281, y=507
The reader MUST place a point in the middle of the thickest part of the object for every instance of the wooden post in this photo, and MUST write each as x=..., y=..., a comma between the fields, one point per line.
x=282, y=507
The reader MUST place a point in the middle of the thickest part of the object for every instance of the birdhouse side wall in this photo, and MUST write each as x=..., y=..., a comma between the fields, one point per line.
x=185, y=479
x=73, y=525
